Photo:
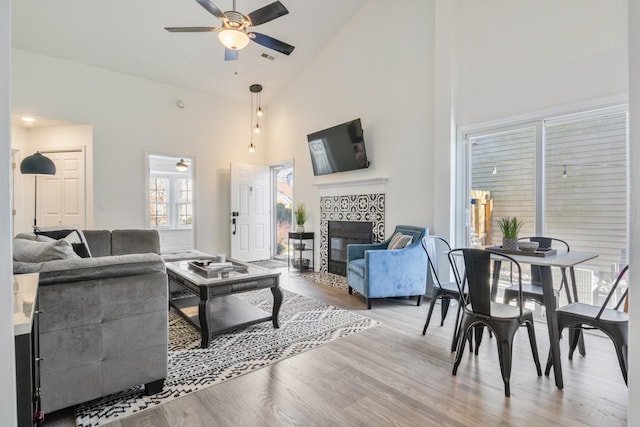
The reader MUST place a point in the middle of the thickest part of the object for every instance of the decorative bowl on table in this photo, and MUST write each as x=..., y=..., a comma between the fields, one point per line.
x=528, y=246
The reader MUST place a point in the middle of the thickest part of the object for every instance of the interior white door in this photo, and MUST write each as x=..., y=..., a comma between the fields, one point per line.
x=250, y=212
x=61, y=197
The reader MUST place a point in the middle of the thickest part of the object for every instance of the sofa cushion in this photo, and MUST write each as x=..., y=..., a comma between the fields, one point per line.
x=99, y=242
x=399, y=242
x=26, y=250
x=100, y=268
x=135, y=242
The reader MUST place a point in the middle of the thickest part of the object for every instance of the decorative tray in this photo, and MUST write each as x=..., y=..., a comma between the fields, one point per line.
x=538, y=252
x=209, y=268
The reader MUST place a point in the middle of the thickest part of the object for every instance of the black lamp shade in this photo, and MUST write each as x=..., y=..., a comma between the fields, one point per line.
x=37, y=164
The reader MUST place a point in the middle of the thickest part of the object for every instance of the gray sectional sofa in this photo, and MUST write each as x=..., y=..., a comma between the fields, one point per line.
x=104, y=319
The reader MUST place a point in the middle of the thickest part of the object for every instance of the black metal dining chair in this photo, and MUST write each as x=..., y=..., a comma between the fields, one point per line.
x=613, y=322
x=479, y=310
x=444, y=291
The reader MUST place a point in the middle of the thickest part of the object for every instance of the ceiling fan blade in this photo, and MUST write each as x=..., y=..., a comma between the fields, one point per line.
x=230, y=54
x=272, y=43
x=190, y=29
x=212, y=8
x=267, y=13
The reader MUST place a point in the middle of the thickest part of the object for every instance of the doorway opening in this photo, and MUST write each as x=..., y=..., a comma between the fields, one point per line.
x=170, y=198
x=282, y=182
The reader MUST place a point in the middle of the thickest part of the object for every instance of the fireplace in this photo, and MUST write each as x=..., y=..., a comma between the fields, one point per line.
x=367, y=208
x=341, y=234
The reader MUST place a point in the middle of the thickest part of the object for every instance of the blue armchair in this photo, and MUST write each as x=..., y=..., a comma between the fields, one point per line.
x=375, y=271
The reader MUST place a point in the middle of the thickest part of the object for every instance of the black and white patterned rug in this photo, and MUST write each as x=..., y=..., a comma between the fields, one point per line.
x=305, y=324
x=270, y=263
x=328, y=279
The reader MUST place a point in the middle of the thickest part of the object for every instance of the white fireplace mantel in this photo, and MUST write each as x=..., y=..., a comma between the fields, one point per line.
x=360, y=186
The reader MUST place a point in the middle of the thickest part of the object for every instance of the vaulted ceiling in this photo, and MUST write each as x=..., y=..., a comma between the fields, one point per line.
x=129, y=37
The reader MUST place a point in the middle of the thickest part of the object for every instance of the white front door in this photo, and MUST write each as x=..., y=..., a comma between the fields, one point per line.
x=61, y=197
x=250, y=212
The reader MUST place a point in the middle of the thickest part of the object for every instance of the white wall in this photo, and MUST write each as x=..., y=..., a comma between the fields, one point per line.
x=29, y=140
x=130, y=117
x=20, y=144
x=7, y=361
x=633, y=418
x=518, y=57
x=386, y=79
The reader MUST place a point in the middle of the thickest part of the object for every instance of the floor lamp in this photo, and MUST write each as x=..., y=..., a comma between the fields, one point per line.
x=37, y=164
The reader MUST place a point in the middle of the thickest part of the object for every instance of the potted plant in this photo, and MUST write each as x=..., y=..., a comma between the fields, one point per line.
x=510, y=228
x=301, y=215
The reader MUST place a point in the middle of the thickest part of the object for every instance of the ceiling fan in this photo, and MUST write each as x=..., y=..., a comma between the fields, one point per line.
x=233, y=33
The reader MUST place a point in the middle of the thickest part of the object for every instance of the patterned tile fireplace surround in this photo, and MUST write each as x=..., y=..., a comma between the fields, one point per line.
x=352, y=207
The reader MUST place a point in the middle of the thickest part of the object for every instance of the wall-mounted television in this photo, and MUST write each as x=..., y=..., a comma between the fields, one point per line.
x=337, y=149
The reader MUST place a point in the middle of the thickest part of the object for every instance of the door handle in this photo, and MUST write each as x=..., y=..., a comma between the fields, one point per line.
x=233, y=221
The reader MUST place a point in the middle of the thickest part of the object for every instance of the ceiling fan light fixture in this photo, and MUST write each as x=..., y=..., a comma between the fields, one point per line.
x=233, y=39
x=182, y=166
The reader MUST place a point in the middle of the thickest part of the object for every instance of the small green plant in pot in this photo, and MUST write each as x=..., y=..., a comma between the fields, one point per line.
x=510, y=228
x=301, y=215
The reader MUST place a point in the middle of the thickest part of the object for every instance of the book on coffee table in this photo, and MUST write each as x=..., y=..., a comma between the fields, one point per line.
x=209, y=268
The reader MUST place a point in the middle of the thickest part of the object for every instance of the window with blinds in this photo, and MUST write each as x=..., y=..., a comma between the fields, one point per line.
x=585, y=185
x=504, y=174
x=565, y=177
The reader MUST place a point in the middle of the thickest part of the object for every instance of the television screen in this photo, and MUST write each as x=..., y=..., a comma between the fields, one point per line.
x=338, y=149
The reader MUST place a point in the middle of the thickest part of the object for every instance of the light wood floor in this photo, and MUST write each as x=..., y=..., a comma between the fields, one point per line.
x=392, y=375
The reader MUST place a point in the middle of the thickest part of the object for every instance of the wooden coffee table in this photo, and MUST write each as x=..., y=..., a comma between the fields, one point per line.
x=209, y=303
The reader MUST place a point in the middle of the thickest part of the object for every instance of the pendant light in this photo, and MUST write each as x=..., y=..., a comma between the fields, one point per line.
x=255, y=90
x=182, y=166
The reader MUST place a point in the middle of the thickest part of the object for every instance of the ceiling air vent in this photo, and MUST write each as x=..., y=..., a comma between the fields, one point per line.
x=265, y=55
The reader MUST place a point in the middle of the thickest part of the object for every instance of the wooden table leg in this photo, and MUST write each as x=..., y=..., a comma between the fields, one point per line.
x=277, y=302
x=204, y=316
x=552, y=324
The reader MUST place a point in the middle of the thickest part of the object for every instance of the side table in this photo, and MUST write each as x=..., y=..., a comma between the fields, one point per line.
x=301, y=251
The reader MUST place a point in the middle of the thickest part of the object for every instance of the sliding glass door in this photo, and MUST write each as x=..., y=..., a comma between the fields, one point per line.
x=564, y=176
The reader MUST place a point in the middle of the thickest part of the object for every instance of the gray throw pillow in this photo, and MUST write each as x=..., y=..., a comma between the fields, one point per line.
x=75, y=236
x=402, y=241
x=394, y=240
x=25, y=250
